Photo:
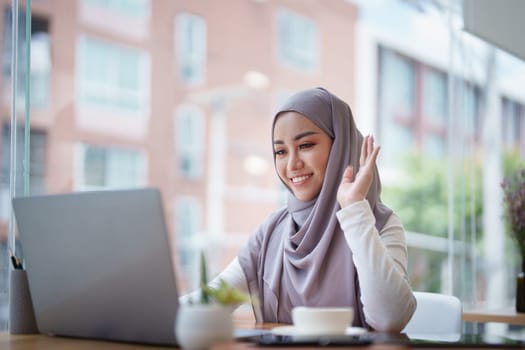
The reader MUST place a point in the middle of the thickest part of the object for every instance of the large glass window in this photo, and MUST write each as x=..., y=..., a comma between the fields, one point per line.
x=128, y=93
x=40, y=58
x=414, y=97
x=37, y=166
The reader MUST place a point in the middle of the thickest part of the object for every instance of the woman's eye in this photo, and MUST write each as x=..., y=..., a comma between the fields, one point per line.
x=306, y=145
x=279, y=152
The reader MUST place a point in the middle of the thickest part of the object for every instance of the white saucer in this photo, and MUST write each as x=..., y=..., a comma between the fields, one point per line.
x=292, y=330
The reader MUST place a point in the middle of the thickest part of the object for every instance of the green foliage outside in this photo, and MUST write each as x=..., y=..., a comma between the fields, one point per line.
x=512, y=162
x=420, y=199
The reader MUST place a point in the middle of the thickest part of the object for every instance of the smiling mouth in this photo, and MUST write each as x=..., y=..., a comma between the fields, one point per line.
x=300, y=179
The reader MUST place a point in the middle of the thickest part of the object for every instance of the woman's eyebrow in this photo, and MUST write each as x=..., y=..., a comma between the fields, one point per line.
x=297, y=137
x=304, y=134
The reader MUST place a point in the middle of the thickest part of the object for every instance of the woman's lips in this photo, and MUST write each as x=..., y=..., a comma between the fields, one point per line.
x=300, y=179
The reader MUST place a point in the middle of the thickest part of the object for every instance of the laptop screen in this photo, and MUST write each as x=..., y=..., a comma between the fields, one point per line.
x=99, y=264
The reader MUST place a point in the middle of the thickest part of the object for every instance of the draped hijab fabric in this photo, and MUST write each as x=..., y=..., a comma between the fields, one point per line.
x=299, y=255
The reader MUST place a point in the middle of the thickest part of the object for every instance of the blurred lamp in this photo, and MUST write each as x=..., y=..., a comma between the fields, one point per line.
x=256, y=80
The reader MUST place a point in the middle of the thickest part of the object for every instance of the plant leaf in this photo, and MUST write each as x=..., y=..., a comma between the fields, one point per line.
x=225, y=294
x=205, y=297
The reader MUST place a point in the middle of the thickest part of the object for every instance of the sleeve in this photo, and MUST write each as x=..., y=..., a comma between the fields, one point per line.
x=381, y=264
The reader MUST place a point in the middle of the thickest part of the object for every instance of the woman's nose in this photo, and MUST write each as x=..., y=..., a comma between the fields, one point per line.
x=294, y=162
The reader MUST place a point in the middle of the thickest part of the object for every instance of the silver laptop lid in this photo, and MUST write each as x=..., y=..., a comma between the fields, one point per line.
x=99, y=265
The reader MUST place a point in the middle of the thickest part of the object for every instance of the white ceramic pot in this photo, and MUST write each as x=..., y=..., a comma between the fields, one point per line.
x=201, y=325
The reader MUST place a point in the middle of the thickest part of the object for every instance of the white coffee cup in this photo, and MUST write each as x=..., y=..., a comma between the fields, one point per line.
x=322, y=320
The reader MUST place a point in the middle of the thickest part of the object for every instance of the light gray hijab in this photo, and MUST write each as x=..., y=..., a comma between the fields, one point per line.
x=299, y=255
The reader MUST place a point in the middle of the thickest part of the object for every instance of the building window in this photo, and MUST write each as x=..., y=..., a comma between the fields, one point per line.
x=107, y=168
x=513, y=125
x=112, y=77
x=434, y=112
x=130, y=8
x=413, y=107
x=189, y=141
x=187, y=219
x=190, y=46
x=396, y=105
x=40, y=58
x=37, y=165
x=469, y=102
x=297, y=40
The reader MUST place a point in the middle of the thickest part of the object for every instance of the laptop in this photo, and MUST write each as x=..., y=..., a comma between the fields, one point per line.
x=99, y=265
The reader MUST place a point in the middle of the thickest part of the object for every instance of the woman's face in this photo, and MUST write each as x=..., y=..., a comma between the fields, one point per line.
x=301, y=151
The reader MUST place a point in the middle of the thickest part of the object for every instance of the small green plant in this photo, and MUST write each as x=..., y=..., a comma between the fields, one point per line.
x=224, y=294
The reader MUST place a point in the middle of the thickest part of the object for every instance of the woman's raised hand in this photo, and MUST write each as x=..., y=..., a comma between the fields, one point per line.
x=353, y=190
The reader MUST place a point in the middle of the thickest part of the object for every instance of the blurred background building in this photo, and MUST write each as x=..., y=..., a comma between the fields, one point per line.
x=180, y=95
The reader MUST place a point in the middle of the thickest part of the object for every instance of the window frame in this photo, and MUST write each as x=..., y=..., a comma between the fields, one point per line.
x=195, y=150
x=90, y=88
x=191, y=47
x=293, y=27
x=79, y=180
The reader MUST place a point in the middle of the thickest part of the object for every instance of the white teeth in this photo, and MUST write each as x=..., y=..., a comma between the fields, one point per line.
x=300, y=178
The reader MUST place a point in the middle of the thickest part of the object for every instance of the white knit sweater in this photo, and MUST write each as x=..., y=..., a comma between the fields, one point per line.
x=381, y=263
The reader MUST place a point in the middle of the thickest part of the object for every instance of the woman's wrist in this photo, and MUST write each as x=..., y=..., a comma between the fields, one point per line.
x=349, y=201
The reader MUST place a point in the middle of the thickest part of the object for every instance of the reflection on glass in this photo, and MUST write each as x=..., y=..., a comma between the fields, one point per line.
x=111, y=95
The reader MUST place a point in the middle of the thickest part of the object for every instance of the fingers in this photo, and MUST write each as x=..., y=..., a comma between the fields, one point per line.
x=364, y=151
x=369, y=151
x=348, y=175
x=375, y=152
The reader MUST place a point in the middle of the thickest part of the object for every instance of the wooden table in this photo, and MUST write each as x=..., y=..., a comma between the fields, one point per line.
x=509, y=316
x=44, y=342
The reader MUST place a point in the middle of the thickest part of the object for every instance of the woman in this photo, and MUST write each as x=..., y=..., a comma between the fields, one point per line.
x=335, y=243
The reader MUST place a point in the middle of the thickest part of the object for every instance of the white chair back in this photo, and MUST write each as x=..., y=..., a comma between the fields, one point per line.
x=437, y=317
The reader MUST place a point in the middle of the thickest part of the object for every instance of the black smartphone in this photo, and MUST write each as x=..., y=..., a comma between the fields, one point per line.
x=305, y=340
